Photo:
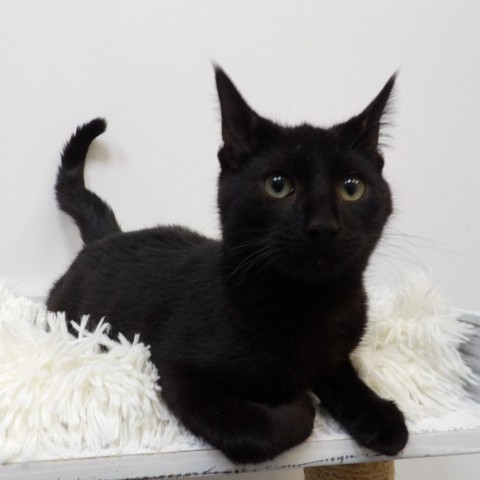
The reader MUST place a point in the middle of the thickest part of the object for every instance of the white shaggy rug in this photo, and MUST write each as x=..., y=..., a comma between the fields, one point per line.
x=65, y=396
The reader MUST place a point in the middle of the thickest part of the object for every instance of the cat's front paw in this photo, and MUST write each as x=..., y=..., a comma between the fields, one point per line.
x=381, y=427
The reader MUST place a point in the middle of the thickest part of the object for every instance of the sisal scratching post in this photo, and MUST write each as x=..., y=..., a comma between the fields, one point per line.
x=358, y=471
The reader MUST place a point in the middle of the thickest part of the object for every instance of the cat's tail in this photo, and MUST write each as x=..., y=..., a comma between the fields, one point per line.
x=94, y=218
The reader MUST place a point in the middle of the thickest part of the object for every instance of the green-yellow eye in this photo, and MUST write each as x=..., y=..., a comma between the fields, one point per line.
x=351, y=189
x=278, y=186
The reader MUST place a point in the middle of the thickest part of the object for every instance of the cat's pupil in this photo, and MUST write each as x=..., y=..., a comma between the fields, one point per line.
x=351, y=186
x=278, y=183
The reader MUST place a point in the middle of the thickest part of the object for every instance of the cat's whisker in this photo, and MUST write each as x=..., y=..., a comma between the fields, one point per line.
x=417, y=241
x=232, y=251
x=260, y=259
x=413, y=240
x=406, y=246
x=248, y=262
x=275, y=255
x=266, y=257
x=383, y=263
x=414, y=261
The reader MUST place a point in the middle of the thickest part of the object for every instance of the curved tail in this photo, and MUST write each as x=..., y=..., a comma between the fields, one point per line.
x=93, y=216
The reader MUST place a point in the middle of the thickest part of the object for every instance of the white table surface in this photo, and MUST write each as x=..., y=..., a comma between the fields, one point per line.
x=439, y=438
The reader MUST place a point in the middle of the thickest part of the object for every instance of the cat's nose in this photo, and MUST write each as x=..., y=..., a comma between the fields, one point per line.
x=323, y=227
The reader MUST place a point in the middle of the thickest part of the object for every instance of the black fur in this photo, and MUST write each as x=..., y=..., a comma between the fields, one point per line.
x=240, y=329
x=94, y=217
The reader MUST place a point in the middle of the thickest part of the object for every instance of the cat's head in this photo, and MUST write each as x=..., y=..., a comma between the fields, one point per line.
x=306, y=201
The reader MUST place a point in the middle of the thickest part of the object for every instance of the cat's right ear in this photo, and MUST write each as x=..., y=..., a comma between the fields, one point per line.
x=240, y=123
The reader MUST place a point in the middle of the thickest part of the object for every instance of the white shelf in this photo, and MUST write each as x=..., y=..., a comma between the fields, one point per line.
x=208, y=462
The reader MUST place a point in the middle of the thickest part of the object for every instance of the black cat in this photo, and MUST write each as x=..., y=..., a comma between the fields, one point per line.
x=241, y=328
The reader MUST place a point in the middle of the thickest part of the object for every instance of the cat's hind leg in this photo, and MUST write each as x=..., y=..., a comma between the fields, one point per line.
x=246, y=432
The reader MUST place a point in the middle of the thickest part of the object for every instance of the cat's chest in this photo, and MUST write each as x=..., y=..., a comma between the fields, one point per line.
x=269, y=372
x=275, y=366
x=301, y=343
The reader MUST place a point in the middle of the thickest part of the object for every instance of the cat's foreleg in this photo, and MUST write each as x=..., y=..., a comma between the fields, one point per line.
x=372, y=421
x=246, y=432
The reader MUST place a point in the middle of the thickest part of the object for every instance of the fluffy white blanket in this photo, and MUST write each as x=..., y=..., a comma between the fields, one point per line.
x=64, y=396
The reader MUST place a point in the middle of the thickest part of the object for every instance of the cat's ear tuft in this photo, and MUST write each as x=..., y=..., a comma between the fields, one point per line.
x=364, y=130
x=239, y=122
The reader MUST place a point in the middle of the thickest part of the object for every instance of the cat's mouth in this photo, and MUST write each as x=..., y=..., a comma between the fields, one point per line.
x=318, y=261
x=313, y=265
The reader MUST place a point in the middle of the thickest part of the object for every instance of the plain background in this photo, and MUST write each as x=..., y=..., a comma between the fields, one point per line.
x=146, y=66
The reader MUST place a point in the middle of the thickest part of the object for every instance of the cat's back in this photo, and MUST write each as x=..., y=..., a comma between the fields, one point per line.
x=152, y=249
x=130, y=274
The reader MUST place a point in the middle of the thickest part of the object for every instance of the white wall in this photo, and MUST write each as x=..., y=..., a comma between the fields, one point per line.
x=146, y=66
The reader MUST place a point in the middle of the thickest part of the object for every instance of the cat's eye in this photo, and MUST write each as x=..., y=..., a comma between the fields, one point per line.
x=278, y=186
x=351, y=189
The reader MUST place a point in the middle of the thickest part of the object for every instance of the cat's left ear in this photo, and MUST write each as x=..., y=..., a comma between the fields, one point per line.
x=363, y=130
x=240, y=124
